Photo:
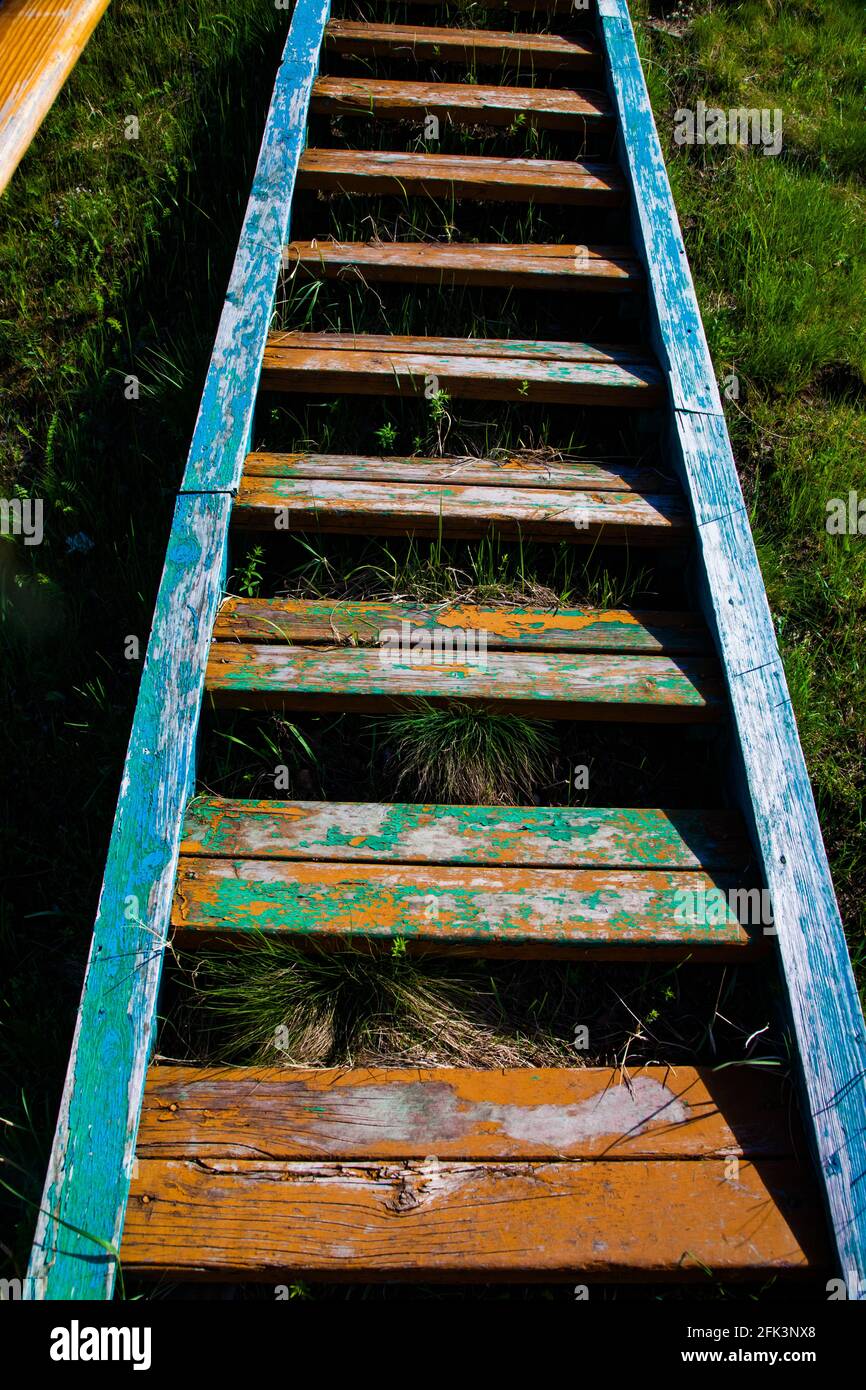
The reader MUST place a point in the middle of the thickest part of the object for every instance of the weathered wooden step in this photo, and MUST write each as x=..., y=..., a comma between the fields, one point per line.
x=500, y=48
x=563, y=837
x=541, y=267
x=475, y=369
x=479, y=177
x=544, y=685
x=331, y=505
x=462, y=103
x=512, y=1114
x=612, y=914
x=508, y=470
x=450, y=627
x=537, y=1173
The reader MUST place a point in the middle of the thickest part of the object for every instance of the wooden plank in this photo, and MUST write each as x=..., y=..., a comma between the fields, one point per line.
x=551, y=108
x=94, y=1143
x=679, y=336
x=87, y=1183
x=544, y=685
x=399, y=345
x=821, y=991
x=611, y=913
x=459, y=1113
x=366, y=624
x=517, y=470
x=41, y=41
x=547, y=268
x=479, y=177
x=298, y=504
x=500, y=48
x=374, y=1221
x=224, y=424
x=566, y=837
x=481, y=369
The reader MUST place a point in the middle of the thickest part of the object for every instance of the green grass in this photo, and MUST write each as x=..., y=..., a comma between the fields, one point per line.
x=469, y=756
x=778, y=252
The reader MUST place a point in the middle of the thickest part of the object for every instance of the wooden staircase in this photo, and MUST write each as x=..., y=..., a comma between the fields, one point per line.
x=657, y=1174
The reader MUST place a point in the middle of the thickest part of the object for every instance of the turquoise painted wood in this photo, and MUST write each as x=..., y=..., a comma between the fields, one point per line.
x=224, y=425
x=775, y=791
x=90, y=1168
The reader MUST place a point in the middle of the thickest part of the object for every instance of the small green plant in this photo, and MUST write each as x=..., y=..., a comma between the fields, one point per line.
x=440, y=417
x=248, y=578
x=386, y=435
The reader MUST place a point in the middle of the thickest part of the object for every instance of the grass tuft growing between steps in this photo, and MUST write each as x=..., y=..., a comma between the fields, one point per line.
x=262, y=1000
x=469, y=756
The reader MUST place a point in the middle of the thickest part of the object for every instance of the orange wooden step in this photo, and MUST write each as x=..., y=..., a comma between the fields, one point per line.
x=500, y=48
x=479, y=177
x=366, y=624
x=462, y=103
x=513, y=470
x=412, y=1174
x=475, y=369
x=559, y=267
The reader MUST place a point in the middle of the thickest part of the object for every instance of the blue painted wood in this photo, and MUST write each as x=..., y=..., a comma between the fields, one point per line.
x=94, y=1143
x=92, y=1157
x=680, y=343
x=777, y=798
x=222, y=432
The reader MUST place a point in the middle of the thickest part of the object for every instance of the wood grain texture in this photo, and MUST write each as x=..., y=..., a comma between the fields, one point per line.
x=477, y=369
x=510, y=470
x=94, y=1143
x=651, y=913
x=459, y=1113
x=553, y=108
x=293, y=504
x=40, y=42
x=500, y=48
x=547, y=685
x=505, y=350
x=657, y=1219
x=679, y=338
x=482, y=178
x=331, y=621
x=568, y=837
x=222, y=432
x=542, y=267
